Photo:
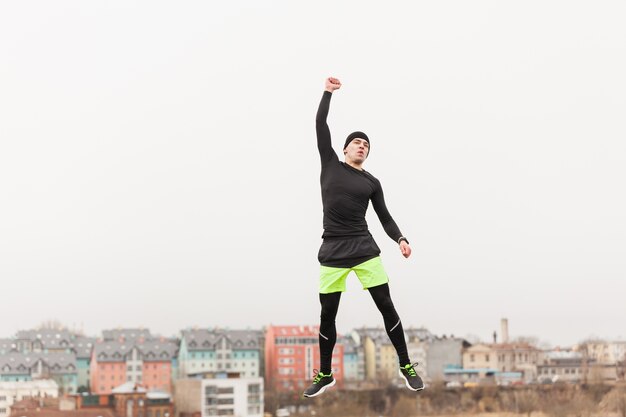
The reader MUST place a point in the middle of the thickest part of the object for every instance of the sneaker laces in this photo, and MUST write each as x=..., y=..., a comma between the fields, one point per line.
x=410, y=370
x=317, y=376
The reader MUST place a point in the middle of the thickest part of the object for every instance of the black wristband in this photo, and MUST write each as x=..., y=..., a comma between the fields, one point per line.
x=403, y=238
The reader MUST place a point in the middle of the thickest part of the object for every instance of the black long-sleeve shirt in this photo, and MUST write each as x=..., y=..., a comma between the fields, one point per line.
x=346, y=191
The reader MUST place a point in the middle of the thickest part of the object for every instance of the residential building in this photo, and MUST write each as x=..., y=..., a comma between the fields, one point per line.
x=220, y=350
x=143, y=362
x=61, y=367
x=292, y=354
x=603, y=352
x=443, y=353
x=44, y=341
x=223, y=396
x=561, y=365
x=480, y=356
x=352, y=362
x=7, y=345
x=504, y=357
x=49, y=341
x=128, y=335
x=82, y=347
x=518, y=357
x=380, y=357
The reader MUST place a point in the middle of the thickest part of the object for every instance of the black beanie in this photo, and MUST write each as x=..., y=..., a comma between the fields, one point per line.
x=355, y=135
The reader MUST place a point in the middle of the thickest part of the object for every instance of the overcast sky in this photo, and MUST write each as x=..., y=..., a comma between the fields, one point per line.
x=158, y=164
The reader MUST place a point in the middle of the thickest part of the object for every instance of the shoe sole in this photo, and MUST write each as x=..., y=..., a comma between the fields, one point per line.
x=406, y=382
x=321, y=391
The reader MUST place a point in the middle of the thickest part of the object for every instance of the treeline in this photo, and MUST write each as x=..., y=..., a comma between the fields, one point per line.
x=554, y=400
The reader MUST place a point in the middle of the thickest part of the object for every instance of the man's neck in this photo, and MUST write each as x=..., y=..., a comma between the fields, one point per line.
x=354, y=164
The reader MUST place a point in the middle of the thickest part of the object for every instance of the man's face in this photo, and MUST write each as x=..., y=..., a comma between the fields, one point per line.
x=357, y=150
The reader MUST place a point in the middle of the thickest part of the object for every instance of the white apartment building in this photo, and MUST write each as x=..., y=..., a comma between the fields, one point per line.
x=232, y=397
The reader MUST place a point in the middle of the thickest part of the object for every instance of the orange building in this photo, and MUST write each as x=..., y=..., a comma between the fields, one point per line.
x=148, y=363
x=291, y=355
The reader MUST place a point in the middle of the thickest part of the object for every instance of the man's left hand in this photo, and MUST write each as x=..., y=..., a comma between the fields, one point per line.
x=405, y=249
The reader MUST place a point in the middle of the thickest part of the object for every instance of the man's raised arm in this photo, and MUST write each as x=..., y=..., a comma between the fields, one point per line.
x=324, y=144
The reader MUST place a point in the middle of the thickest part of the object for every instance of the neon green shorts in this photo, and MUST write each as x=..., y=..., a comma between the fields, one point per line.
x=371, y=273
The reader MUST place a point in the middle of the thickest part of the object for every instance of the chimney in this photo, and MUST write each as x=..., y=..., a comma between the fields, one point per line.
x=495, y=338
x=504, y=324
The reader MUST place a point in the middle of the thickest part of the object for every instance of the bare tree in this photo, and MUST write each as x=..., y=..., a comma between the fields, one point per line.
x=531, y=340
x=526, y=401
x=404, y=407
x=615, y=401
x=52, y=324
x=584, y=406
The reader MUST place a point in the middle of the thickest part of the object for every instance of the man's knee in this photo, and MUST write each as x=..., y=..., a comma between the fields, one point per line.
x=328, y=315
x=385, y=304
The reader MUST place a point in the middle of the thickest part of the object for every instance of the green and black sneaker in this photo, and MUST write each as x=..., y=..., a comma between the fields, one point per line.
x=319, y=385
x=411, y=378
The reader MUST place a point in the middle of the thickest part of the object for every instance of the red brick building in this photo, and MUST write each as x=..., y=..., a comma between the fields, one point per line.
x=291, y=355
x=148, y=363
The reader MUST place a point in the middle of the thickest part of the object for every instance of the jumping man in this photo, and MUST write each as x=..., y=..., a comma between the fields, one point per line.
x=348, y=245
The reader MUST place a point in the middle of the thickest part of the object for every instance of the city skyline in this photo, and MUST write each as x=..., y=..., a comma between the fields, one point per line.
x=472, y=337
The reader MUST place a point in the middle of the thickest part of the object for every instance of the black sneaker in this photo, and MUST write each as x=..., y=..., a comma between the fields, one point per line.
x=319, y=385
x=411, y=378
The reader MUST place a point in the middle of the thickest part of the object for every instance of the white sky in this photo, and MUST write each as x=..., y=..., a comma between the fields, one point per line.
x=158, y=164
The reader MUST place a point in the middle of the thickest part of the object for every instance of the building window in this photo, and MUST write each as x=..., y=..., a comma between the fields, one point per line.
x=226, y=390
x=471, y=358
x=487, y=358
x=226, y=401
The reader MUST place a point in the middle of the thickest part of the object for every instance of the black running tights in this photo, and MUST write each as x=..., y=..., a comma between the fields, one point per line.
x=328, y=331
